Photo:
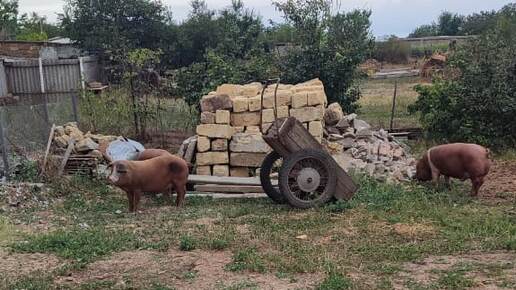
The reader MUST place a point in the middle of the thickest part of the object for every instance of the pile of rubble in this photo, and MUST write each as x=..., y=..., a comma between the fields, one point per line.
x=229, y=141
x=84, y=143
x=357, y=147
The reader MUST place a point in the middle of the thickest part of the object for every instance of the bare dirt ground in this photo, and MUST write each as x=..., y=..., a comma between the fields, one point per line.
x=501, y=181
x=173, y=268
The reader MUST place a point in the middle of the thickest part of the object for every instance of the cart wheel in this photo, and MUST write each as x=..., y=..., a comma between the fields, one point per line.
x=271, y=164
x=308, y=179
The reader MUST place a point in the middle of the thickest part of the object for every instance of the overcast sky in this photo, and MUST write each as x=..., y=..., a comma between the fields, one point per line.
x=398, y=17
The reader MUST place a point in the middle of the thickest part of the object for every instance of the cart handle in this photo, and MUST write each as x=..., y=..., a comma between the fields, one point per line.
x=265, y=85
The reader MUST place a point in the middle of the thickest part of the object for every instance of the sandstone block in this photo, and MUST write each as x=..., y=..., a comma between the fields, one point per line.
x=299, y=100
x=207, y=118
x=252, y=129
x=212, y=158
x=283, y=98
x=219, y=145
x=239, y=129
x=203, y=144
x=308, y=114
x=360, y=125
x=222, y=117
x=240, y=104
x=315, y=128
x=255, y=103
x=245, y=119
x=317, y=98
x=333, y=114
x=212, y=103
x=203, y=170
x=86, y=145
x=239, y=171
x=221, y=170
x=282, y=112
x=252, y=89
x=215, y=131
x=268, y=116
x=247, y=159
x=229, y=89
x=252, y=143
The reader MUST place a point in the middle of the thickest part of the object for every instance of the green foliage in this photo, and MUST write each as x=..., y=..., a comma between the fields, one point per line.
x=393, y=51
x=187, y=243
x=425, y=31
x=32, y=27
x=335, y=281
x=83, y=246
x=116, y=25
x=247, y=259
x=330, y=47
x=26, y=171
x=479, y=103
x=8, y=18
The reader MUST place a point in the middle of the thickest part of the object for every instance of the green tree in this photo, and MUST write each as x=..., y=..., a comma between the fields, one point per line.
x=425, y=31
x=8, y=18
x=35, y=27
x=449, y=23
x=477, y=103
x=330, y=47
x=113, y=25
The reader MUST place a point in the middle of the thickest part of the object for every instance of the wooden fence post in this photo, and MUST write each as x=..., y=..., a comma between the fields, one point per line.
x=393, y=104
x=3, y=140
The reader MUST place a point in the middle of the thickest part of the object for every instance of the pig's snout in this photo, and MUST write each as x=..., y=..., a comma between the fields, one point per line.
x=113, y=178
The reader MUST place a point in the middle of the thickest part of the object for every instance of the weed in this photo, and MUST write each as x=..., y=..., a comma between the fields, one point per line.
x=187, y=243
x=219, y=244
x=238, y=286
x=97, y=285
x=35, y=281
x=247, y=259
x=335, y=281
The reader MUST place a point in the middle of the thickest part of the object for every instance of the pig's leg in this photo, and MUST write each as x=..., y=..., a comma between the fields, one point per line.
x=130, y=198
x=435, y=177
x=181, y=193
x=476, y=182
x=447, y=182
x=137, y=195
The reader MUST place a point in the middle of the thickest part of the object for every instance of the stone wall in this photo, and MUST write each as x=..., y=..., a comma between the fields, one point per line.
x=233, y=118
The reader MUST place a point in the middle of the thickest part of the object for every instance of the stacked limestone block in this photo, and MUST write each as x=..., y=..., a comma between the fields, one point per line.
x=233, y=119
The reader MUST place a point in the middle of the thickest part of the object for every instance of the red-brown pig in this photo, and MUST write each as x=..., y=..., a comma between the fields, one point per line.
x=151, y=153
x=159, y=174
x=457, y=160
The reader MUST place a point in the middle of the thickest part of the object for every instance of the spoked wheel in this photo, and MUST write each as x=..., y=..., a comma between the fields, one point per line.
x=269, y=171
x=308, y=178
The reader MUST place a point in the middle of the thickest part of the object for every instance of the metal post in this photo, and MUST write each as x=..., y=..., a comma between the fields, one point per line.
x=4, y=148
x=393, y=104
x=43, y=91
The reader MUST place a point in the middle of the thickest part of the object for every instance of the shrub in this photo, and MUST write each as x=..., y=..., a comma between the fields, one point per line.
x=478, y=103
x=393, y=51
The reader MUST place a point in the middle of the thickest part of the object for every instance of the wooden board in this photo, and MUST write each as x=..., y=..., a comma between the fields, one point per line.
x=47, y=151
x=228, y=188
x=205, y=179
x=71, y=145
x=225, y=195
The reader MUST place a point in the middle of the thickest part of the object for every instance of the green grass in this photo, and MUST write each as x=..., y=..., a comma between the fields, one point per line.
x=260, y=237
x=83, y=246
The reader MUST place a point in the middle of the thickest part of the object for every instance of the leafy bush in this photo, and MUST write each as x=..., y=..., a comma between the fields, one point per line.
x=393, y=51
x=478, y=103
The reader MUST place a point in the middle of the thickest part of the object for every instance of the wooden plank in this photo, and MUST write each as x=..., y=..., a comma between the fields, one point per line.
x=226, y=196
x=228, y=188
x=205, y=179
x=71, y=145
x=47, y=151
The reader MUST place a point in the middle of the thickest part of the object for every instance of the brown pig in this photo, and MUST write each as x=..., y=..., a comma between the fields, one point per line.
x=458, y=160
x=159, y=174
x=151, y=153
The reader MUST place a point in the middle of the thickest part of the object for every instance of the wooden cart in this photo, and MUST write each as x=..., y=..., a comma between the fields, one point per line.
x=308, y=175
